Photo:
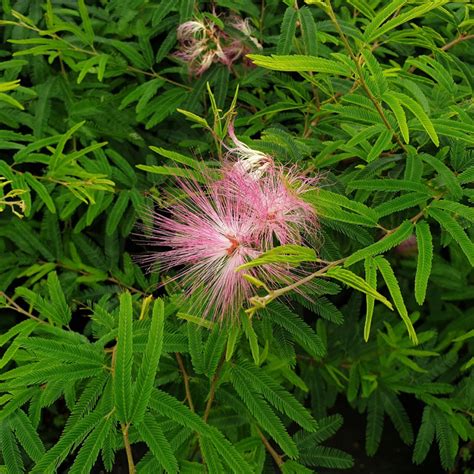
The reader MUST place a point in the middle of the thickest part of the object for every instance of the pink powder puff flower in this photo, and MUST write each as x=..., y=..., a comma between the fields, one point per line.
x=276, y=200
x=274, y=192
x=210, y=234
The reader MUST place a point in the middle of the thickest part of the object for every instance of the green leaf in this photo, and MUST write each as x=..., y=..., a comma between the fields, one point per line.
x=402, y=233
x=287, y=32
x=72, y=436
x=27, y=436
x=213, y=350
x=149, y=366
x=397, y=413
x=151, y=432
x=356, y=282
x=382, y=15
x=371, y=279
x=394, y=289
x=375, y=415
x=388, y=185
x=62, y=312
x=425, y=436
x=86, y=21
x=123, y=359
x=462, y=210
x=382, y=143
x=89, y=451
x=304, y=335
x=251, y=336
x=395, y=105
x=282, y=400
x=397, y=20
x=41, y=190
x=11, y=101
x=263, y=414
x=173, y=171
x=211, y=458
x=10, y=451
x=424, y=241
x=286, y=254
x=234, y=335
x=300, y=63
x=308, y=31
x=332, y=458
x=419, y=113
x=168, y=406
x=445, y=173
x=450, y=225
x=118, y=210
x=400, y=203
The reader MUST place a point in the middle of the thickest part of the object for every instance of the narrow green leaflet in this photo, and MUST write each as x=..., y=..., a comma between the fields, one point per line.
x=287, y=32
x=450, y=225
x=300, y=63
x=356, y=282
x=401, y=19
x=149, y=366
x=371, y=279
x=394, y=103
x=263, y=414
x=389, y=241
x=424, y=241
x=251, y=336
x=393, y=287
x=151, y=432
x=123, y=359
x=89, y=451
x=292, y=254
x=445, y=173
x=416, y=109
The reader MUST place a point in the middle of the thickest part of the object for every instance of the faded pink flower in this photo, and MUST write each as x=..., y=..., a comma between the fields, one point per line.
x=202, y=43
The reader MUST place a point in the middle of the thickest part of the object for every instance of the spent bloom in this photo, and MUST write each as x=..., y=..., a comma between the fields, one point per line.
x=203, y=42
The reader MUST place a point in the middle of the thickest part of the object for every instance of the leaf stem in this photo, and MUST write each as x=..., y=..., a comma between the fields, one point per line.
x=185, y=375
x=128, y=450
x=360, y=74
x=276, y=457
x=212, y=391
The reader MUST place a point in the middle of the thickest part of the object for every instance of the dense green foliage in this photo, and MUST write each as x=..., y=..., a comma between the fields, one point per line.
x=99, y=364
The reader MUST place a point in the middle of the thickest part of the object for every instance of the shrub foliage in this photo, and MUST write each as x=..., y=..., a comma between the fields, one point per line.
x=99, y=363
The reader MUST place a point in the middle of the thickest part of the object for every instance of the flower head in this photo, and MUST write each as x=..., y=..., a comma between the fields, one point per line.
x=273, y=191
x=203, y=42
x=209, y=234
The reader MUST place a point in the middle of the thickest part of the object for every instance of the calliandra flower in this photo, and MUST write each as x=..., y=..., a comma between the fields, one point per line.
x=273, y=191
x=250, y=161
x=209, y=234
x=202, y=43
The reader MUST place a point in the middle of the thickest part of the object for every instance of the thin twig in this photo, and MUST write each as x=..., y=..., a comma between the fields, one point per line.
x=19, y=309
x=360, y=74
x=185, y=380
x=276, y=457
x=212, y=391
x=128, y=450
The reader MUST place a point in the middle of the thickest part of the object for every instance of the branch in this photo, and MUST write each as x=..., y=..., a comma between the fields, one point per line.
x=276, y=457
x=212, y=391
x=185, y=380
x=364, y=85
